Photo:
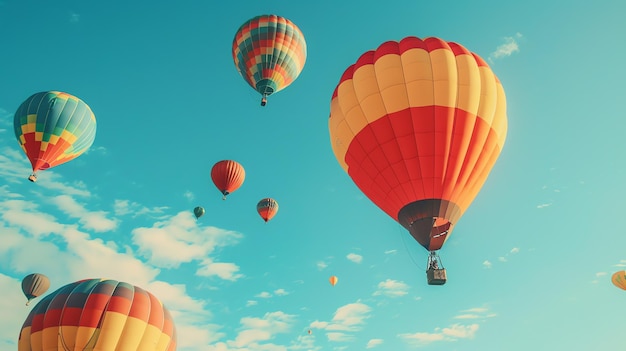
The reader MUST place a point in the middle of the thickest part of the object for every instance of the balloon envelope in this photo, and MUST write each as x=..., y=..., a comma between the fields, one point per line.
x=333, y=280
x=96, y=314
x=228, y=176
x=269, y=52
x=267, y=208
x=198, y=212
x=35, y=285
x=53, y=128
x=418, y=125
x=619, y=279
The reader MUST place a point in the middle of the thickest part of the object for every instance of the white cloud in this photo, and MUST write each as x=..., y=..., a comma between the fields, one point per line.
x=346, y=320
x=509, y=47
x=601, y=274
x=179, y=239
x=188, y=195
x=475, y=313
x=126, y=207
x=321, y=265
x=388, y=252
x=94, y=220
x=544, y=205
x=487, y=264
x=255, y=333
x=502, y=259
x=251, y=303
x=355, y=257
x=392, y=288
x=514, y=250
x=451, y=333
x=226, y=271
x=373, y=343
x=263, y=295
x=280, y=292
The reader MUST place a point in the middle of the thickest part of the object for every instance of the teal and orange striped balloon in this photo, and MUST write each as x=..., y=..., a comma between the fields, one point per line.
x=267, y=208
x=98, y=314
x=269, y=52
x=53, y=128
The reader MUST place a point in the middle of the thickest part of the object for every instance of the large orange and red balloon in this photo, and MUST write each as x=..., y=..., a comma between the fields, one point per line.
x=53, y=128
x=228, y=176
x=97, y=314
x=269, y=52
x=418, y=125
x=619, y=279
x=267, y=208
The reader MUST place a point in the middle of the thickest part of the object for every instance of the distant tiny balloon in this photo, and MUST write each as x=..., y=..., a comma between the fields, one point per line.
x=333, y=280
x=619, y=279
x=198, y=212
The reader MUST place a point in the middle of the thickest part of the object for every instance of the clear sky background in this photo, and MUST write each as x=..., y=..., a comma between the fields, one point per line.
x=529, y=263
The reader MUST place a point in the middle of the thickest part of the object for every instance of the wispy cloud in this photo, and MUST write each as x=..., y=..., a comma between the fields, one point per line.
x=392, y=288
x=321, y=265
x=263, y=295
x=91, y=220
x=356, y=258
x=451, y=333
x=508, y=48
x=347, y=319
x=179, y=239
x=487, y=264
x=74, y=17
x=544, y=205
x=373, y=343
x=475, y=313
x=256, y=332
x=389, y=252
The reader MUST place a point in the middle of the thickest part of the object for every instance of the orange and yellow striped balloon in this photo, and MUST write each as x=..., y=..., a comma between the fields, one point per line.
x=619, y=279
x=418, y=125
x=97, y=314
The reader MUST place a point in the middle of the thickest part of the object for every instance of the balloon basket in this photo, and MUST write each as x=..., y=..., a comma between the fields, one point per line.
x=436, y=276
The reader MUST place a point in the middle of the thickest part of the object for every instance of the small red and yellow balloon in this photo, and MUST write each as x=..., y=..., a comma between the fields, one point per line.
x=228, y=176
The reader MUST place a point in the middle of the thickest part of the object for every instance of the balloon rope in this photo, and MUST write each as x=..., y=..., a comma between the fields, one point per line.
x=406, y=247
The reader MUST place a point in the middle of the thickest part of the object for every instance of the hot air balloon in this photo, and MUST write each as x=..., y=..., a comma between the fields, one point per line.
x=98, y=314
x=34, y=285
x=333, y=280
x=269, y=52
x=53, y=128
x=198, y=212
x=228, y=176
x=619, y=279
x=267, y=208
x=418, y=125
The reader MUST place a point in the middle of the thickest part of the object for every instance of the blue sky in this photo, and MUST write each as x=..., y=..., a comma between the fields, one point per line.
x=529, y=263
